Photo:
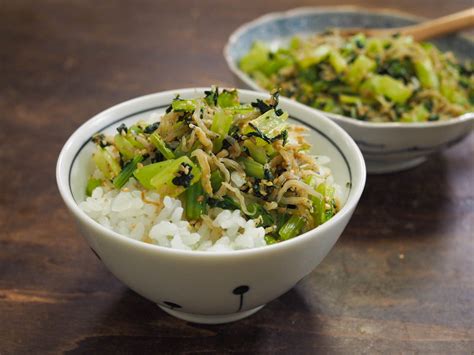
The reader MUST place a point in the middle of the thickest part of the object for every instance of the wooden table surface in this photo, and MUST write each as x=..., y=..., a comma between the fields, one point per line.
x=400, y=279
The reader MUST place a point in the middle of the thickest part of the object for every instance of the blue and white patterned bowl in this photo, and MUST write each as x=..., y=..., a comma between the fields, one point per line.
x=387, y=147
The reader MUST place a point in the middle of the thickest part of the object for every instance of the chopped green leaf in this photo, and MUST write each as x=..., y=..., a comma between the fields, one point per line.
x=161, y=146
x=127, y=172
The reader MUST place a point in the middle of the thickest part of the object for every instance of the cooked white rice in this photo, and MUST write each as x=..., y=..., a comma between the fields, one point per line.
x=140, y=215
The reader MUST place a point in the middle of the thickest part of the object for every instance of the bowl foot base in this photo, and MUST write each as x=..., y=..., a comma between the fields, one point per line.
x=210, y=319
x=383, y=167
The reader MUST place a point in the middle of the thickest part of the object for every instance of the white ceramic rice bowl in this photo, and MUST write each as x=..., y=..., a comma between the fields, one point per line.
x=210, y=287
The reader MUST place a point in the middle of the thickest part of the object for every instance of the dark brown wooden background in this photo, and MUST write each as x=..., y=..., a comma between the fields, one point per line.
x=399, y=280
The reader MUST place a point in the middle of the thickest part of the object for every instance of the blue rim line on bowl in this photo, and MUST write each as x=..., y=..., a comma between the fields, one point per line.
x=65, y=188
x=318, y=10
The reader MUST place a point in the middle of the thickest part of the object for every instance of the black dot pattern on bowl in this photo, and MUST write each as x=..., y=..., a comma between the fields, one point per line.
x=172, y=305
x=240, y=291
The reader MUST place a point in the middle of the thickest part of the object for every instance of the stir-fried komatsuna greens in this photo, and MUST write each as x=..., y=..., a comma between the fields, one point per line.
x=389, y=79
x=214, y=152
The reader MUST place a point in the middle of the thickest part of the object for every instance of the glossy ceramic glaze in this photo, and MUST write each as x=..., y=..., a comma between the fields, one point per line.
x=207, y=287
x=387, y=147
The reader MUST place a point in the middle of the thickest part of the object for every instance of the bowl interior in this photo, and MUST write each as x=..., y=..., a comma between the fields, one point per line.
x=321, y=134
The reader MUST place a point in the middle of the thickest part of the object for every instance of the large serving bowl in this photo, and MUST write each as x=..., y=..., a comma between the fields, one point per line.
x=387, y=147
x=210, y=287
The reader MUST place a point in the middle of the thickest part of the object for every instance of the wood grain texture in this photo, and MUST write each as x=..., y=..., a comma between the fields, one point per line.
x=400, y=279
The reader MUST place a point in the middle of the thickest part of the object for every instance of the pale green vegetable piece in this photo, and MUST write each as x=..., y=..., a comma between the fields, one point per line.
x=221, y=123
x=292, y=227
x=337, y=61
x=124, y=146
x=426, y=74
x=450, y=90
x=160, y=144
x=256, y=57
x=106, y=163
x=159, y=176
x=385, y=85
x=257, y=152
x=253, y=168
x=270, y=124
x=315, y=56
x=359, y=69
x=418, y=114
